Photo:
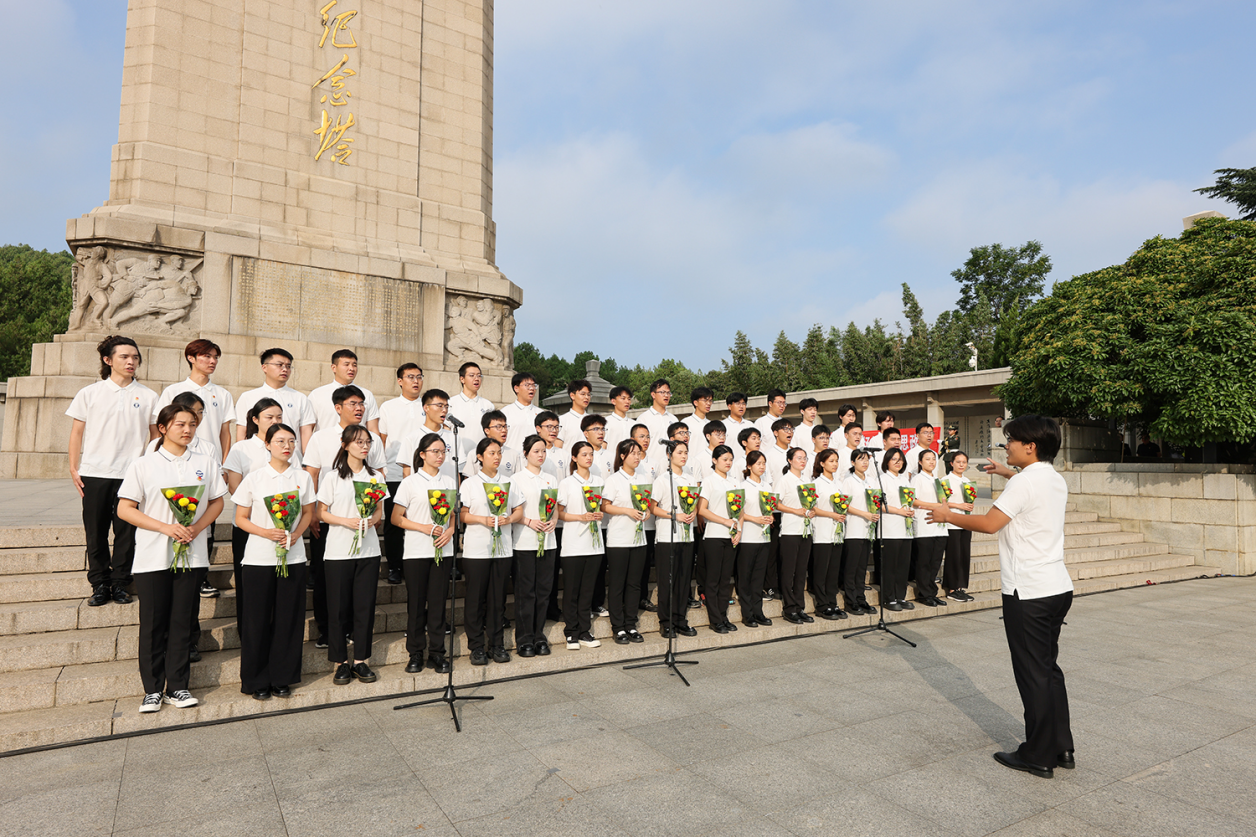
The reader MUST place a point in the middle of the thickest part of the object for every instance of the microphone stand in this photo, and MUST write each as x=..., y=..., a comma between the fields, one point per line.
x=669, y=659
x=881, y=624
x=451, y=696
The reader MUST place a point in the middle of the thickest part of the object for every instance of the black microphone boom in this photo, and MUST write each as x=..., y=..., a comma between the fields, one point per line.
x=455, y=421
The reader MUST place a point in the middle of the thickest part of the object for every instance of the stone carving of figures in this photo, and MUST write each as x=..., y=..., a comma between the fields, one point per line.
x=130, y=275
x=477, y=333
x=169, y=299
x=92, y=279
x=508, y=339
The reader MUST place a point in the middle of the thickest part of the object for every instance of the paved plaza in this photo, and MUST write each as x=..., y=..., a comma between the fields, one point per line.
x=808, y=736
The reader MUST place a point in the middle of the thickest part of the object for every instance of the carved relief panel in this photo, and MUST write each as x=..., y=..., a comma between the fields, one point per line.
x=480, y=330
x=139, y=290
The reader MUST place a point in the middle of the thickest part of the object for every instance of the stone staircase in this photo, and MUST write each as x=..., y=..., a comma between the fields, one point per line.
x=68, y=672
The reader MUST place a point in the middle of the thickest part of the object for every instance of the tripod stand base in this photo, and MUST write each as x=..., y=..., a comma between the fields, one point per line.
x=879, y=626
x=669, y=660
x=450, y=697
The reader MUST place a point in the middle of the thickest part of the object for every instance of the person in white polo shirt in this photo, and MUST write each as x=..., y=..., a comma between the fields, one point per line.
x=1037, y=590
x=468, y=406
x=297, y=411
x=618, y=424
x=219, y=407
x=733, y=425
x=657, y=419
x=435, y=411
x=112, y=423
x=520, y=414
x=580, y=392
x=344, y=371
x=701, y=398
x=397, y=418
x=776, y=410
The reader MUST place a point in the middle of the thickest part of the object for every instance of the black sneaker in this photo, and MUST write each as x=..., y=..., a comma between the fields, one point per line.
x=362, y=672
x=194, y=654
x=415, y=665
x=543, y=649
x=586, y=639
x=394, y=577
x=152, y=703
x=321, y=642
x=694, y=604
x=439, y=663
x=180, y=698
x=209, y=591
x=343, y=675
x=479, y=658
x=501, y=655
x=102, y=595
x=648, y=606
x=120, y=595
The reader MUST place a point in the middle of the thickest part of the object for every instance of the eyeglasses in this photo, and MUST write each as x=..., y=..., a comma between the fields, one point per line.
x=435, y=451
x=549, y=426
x=497, y=426
x=284, y=366
x=412, y=378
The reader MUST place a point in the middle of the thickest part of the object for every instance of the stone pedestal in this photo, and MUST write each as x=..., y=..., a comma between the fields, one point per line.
x=300, y=173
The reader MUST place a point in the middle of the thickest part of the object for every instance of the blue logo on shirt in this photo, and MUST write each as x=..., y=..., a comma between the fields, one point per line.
x=200, y=476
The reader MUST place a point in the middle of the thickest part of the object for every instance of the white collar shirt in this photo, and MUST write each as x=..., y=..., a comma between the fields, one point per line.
x=520, y=423
x=116, y=421
x=469, y=411
x=340, y=496
x=297, y=411
x=325, y=414
x=252, y=493
x=477, y=538
x=325, y=444
x=397, y=417
x=657, y=423
x=569, y=428
x=529, y=487
x=219, y=409
x=413, y=496
x=146, y=479
x=617, y=429
x=244, y=457
x=1031, y=545
x=407, y=444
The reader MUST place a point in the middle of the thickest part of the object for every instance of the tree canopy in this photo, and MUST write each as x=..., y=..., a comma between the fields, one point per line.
x=34, y=303
x=1164, y=340
x=1237, y=186
x=1003, y=275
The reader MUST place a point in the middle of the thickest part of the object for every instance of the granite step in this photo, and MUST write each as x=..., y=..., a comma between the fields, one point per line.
x=1073, y=555
x=990, y=545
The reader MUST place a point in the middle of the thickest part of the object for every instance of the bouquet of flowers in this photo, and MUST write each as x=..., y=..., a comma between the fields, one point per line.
x=943, y=490
x=768, y=503
x=592, y=503
x=874, y=498
x=545, y=513
x=736, y=500
x=808, y=497
x=688, y=498
x=498, y=496
x=367, y=496
x=285, y=511
x=907, y=496
x=970, y=494
x=183, y=501
x=641, y=503
x=442, y=508
x=840, y=503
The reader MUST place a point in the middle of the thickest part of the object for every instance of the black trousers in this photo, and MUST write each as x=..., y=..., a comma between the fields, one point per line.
x=427, y=587
x=895, y=558
x=271, y=654
x=752, y=566
x=533, y=577
x=699, y=562
x=644, y=588
x=855, y=570
x=351, y=588
x=795, y=551
x=959, y=559
x=579, y=578
x=720, y=557
x=394, y=536
x=194, y=618
x=623, y=580
x=239, y=538
x=928, y=552
x=317, y=547
x=674, y=590
x=826, y=573
x=166, y=601
x=482, y=603
x=772, y=564
x=1033, y=637
x=100, y=512
x=552, y=611
x=599, y=583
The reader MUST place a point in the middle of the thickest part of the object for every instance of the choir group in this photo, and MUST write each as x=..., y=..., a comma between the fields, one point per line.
x=528, y=501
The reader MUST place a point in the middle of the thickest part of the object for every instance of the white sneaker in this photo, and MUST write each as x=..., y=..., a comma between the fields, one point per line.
x=152, y=703
x=572, y=645
x=588, y=641
x=181, y=699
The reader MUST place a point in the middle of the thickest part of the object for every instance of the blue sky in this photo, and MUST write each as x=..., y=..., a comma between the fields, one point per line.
x=669, y=172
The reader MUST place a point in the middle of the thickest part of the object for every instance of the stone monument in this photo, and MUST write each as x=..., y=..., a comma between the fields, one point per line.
x=312, y=174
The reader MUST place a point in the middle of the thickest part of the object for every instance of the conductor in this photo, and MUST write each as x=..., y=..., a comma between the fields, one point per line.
x=1037, y=591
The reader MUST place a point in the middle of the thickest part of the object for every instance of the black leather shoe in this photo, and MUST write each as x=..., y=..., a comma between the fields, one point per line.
x=440, y=665
x=501, y=655
x=505, y=623
x=687, y=631
x=719, y=629
x=542, y=649
x=415, y=665
x=730, y=626
x=120, y=595
x=793, y=618
x=694, y=604
x=621, y=638
x=648, y=606
x=479, y=658
x=261, y=694
x=394, y=577
x=668, y=633
x=194, y=655
x=750, y=623
x=281, y=691
x=868, y=610
x=908, y=605
x=527, y=650
x=634, y=636
x=1014, y=761
x=364, y=673
x=102, y=595
x=806, y=618
x=343, y=676
x=838, y=613
x=827, y=614
x=939, y=602
x=1066, y=760
x=894, y=606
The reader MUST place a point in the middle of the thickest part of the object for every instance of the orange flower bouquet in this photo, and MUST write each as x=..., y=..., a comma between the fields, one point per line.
x=641, y=503
x=285, y=511
x=593, y=503
x=367, y=496
x=183, y=501
x=497, y=496
x=808, y=497
x=841, y=504
x=442, y=508
x=688, y=497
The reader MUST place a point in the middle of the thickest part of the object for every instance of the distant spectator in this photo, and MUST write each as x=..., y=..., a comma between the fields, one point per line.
x=1146, y=447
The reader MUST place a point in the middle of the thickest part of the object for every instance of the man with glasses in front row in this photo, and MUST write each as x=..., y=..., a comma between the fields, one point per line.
x=520, y=415
x=297, y=410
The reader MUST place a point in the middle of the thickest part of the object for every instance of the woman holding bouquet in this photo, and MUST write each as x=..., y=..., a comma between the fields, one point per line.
x=796, y=530
x=535, y=546
x=959, y=542
x=826, y=550
x=930, y=541
x=625, y=501
x=897, y=530
x=424, y=498
x=668, y=503
x=723, y=533
x=489, y=508
x=580, y=506
x=274, y=505
x=860, y=518
x=752, y=555
x=350, y=503
x=168, y=545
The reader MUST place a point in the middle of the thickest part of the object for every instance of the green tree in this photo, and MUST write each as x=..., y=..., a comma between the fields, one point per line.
x=917, y=356
x=821, y=359
x=1237, y=186
x=867, y=354
x=35, y=299
x=529, y=359
x=748, y=370
x=947, y=338
x=785, y=370
x=1003, y=274
x=1164, y=340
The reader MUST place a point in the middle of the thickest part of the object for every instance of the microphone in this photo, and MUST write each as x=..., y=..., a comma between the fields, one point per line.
x=455, y=421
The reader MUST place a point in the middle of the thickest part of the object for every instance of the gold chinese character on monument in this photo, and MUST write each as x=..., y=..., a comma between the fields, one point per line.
x=334, y=26
x=337, y=75
x=331, y=134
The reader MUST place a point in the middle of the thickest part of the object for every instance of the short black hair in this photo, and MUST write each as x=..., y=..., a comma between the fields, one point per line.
x=590, y=421
x=658, y=384
x=405, y=367
x=618, y=391
x=808, y=403
x=744, y=436
x=853, y=424
x=105, y=348
x=267, y=354
x=544, y=416
x=889, y=457
x=922, y=426
x=343, y=394
x=846, y=408
x=1041, y=431
x=735, y=398
x=774, y=394
x=638, y=426
x=714, y=427
x=781, y=424
x=884, y=415
x=698, y=393
x=490, y=417
x=520, y=378
x=890, y=431
x=578, y=384
x=470, y=364
x=343, y=353
x=188, y=399
x=821, y=430
x=675, y=427
x=432, y=394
